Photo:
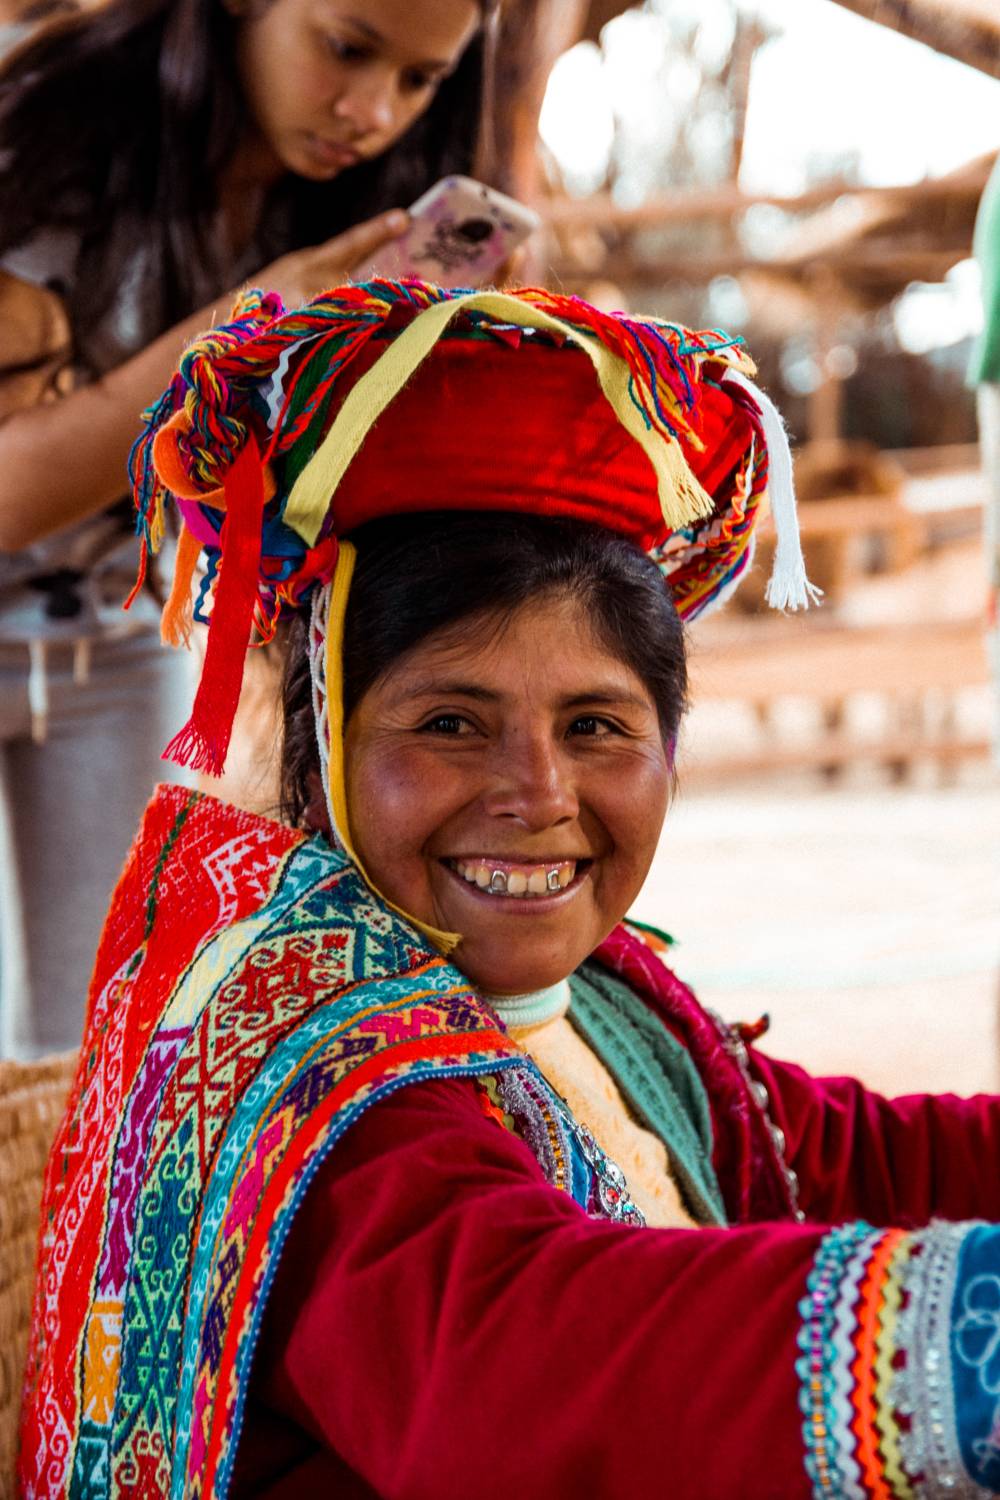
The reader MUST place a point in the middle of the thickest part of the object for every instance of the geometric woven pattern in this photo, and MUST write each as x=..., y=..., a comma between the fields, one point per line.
x=250, y=998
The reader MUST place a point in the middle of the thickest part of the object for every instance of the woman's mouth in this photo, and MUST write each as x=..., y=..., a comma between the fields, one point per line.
x=527, y=880
x=330, y=154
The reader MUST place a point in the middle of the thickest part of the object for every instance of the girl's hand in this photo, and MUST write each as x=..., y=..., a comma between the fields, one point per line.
x=303, y=274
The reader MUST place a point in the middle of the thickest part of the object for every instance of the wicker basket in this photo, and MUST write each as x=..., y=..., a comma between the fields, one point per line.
x=32, y=1096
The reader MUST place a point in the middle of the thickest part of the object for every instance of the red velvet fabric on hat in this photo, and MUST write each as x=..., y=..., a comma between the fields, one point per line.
x=524, y=428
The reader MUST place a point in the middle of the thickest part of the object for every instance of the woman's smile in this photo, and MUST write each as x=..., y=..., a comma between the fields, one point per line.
x=508, y=791
x=522, y=878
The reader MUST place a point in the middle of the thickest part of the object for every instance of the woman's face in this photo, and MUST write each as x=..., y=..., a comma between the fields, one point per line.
x=333, y=82
x=509, y=785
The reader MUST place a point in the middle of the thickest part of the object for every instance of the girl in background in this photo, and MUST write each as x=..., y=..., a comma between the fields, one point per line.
x=158, y=153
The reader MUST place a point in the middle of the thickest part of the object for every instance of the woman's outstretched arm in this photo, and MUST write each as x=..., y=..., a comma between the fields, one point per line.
x=893, y=1161
x=445, y=1323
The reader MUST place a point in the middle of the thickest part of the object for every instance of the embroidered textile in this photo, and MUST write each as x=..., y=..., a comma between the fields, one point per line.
x=250, y=999
x=899, y=1371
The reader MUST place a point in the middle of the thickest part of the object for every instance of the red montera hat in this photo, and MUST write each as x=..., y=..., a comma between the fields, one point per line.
x=284, y=431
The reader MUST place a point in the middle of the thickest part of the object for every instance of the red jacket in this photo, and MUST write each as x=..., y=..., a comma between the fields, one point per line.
x=445, y=1324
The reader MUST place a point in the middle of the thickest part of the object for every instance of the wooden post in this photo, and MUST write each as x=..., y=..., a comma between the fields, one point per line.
x=957, y=28
x=533, y=34
x=826, y=401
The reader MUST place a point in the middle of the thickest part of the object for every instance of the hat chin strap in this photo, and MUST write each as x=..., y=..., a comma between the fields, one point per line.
x=788, y=587
x=326, y=670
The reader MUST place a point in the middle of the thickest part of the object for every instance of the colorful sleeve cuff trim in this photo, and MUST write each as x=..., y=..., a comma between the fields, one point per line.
x=900, y=1364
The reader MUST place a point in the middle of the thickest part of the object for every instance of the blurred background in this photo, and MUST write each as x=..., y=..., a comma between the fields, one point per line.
x=807, y=173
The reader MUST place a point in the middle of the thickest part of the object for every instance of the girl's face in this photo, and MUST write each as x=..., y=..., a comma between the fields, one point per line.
x=329, y=83
x=510, y=785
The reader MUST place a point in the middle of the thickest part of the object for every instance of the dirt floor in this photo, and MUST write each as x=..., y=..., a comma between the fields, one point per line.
x=864, y=920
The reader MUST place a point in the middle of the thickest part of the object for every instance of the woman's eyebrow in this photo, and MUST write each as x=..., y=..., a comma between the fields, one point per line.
x=425, y=687
x=602, y=695
x=606, y=697
x=432, y=64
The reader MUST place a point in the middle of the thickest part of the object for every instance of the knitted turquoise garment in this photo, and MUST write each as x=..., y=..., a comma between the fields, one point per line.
x=657, y=1079
x=985, y=366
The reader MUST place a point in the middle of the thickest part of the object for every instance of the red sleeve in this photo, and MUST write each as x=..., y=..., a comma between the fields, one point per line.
x=891, y=1161
x=448, y=1323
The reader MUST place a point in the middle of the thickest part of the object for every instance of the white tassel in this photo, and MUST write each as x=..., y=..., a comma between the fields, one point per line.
x=319, y=619
x=788, y=587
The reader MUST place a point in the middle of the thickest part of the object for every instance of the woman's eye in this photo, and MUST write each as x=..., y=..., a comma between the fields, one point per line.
x=591, y=726
x=451, y=724
x=346, y=51
x=416, y=82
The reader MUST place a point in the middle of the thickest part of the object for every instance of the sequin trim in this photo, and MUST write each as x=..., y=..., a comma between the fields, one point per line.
x=923, y=1390
x=567, y=1152
x=732, y=1040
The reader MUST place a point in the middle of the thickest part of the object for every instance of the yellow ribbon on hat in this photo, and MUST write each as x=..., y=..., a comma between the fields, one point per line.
x=682, y=498
x=340, y=588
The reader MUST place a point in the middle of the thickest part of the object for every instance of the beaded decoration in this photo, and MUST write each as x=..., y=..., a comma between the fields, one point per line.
x=566, y=1149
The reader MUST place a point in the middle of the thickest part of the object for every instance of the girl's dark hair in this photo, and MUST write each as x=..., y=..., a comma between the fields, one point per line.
x=117, y=120
x=416, y=575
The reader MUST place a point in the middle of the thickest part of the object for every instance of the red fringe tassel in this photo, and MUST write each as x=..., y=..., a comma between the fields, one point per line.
x=203, y=742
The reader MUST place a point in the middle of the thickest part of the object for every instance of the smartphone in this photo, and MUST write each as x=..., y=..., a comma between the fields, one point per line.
x=460, y=233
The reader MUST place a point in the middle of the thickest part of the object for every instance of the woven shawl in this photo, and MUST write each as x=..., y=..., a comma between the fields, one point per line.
x=250, y=998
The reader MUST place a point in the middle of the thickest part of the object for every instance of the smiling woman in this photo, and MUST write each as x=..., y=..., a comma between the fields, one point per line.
x=535, y=704
x=399, y=1164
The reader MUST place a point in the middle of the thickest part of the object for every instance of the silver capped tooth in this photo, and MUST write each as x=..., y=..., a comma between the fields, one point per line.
x=552, y=880
x=498, y=882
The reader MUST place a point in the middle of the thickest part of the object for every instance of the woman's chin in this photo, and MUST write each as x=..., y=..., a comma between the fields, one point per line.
x=509, y=974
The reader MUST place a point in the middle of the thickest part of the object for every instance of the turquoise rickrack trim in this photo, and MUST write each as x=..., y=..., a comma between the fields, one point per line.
x=816, y=1365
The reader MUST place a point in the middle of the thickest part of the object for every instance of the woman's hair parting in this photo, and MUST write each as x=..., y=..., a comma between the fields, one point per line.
x=419, y=575
x=117, y=120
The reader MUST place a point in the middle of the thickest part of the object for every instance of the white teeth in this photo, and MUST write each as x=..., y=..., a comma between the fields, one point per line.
x=526, y=882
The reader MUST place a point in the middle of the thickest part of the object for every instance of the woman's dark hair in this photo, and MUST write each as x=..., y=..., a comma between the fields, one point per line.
x=125, y=114
x=417, y=575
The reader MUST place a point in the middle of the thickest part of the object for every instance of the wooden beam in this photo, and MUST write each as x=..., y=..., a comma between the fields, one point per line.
x=722, y=202
x=901, y=266
x=945, y=25
x=599, y=13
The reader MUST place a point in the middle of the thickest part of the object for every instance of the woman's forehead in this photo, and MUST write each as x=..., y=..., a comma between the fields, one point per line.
x=547, y=647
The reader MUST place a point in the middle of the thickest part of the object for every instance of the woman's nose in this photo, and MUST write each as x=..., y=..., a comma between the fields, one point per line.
x=370, y=104
x=534, y=784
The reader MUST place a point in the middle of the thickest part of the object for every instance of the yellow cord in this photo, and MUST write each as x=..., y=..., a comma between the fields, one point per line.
x=340, y=588
x=682, y=498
